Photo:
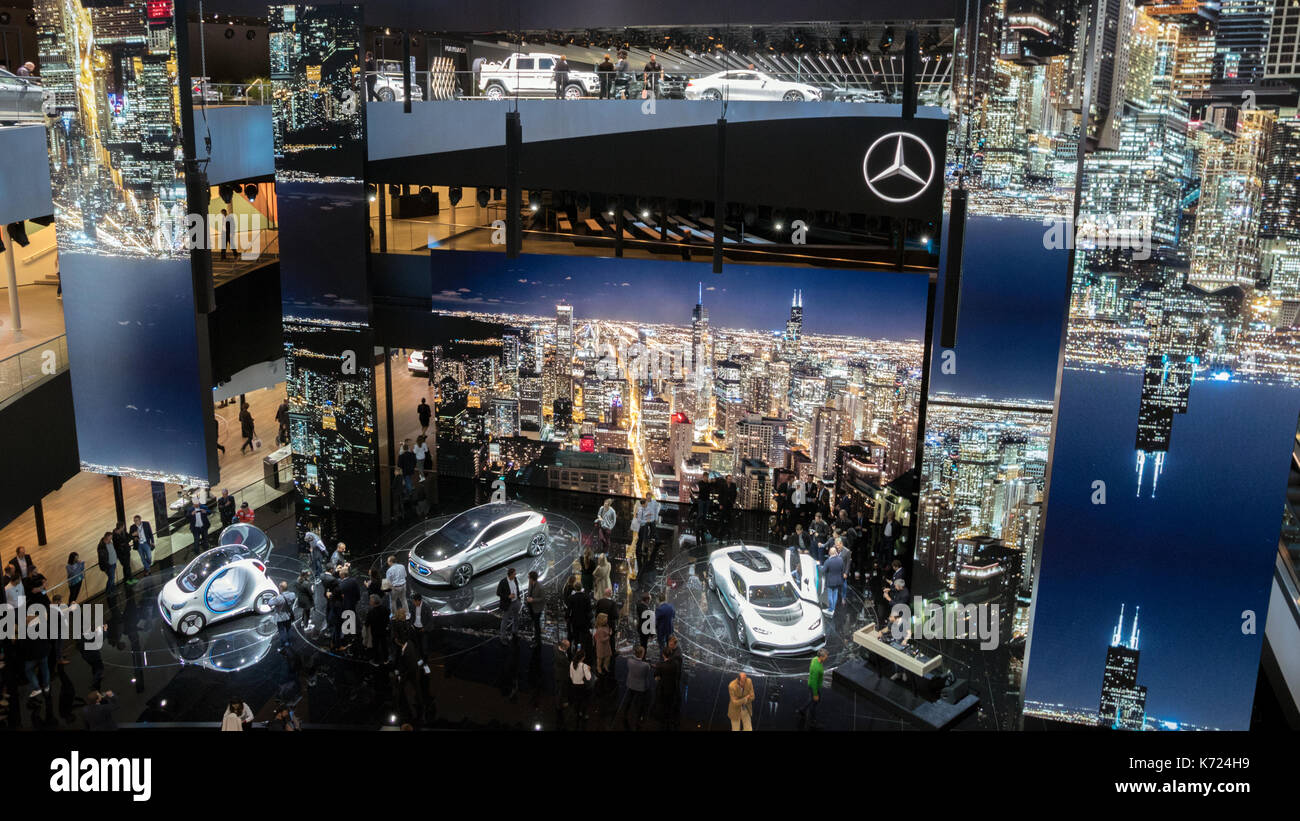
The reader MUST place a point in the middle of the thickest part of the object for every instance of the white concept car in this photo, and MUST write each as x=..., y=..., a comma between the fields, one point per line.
x=476, y=540
x=748, y=85
x=774, y=598
x=219, y=584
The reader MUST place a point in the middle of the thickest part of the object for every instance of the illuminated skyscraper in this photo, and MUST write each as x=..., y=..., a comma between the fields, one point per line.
x=1225, y=242
x=563, y=363
x=825, y=439
x=1242, y=39
x=1123, y=700
x=790, y=343
x=700, y=357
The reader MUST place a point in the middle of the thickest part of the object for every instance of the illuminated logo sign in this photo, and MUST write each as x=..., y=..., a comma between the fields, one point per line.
x=898, y=167
x=160, y=9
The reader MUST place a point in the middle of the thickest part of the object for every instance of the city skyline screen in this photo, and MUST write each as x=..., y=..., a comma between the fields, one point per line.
x=110, y=79
x=627, y=377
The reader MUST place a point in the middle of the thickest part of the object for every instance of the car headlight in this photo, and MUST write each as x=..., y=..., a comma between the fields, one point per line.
x=759, y=630
x=816, y=624
x=178, y=605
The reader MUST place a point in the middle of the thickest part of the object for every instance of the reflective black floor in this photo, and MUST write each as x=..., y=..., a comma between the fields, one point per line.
x=476, y=681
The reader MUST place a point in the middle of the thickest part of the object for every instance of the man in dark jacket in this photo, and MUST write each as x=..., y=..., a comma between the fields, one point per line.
x=580, y=614
x=98, y=712
x=200, y=520
x=420, y=621
x=226, y=508
x=610, y=608
x=282, y=419
x=349, y=589
x=425, y=412
x=605, y=70
x=669, y=691
x=512, y=601
x=122, y=547
x=377, y=620
x=406, y=463
x=833, y=572
x=664, y=615
x=560, y=662
x=561, y=76
x=645, y=620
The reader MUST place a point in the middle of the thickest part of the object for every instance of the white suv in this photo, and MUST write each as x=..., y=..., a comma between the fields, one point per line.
x=533, y=75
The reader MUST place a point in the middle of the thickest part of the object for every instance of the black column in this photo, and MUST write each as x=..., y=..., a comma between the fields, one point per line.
x=720, y=197
x=118, y=502
x=514, y=195
x=40, y=523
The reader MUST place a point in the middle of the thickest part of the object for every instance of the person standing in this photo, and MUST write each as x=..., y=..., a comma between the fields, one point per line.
x=639, y=675
x=602, y=638
x=142, y=535
x=560, y=671
x=15, y=592
x=511, y=605
x=283, y=604
x=107, y=559
x=645, y=620
x=477, y=68
x=245, y=514
x=421, y=451
x=649, y=529
x=622, y=76
x=98, y=712
x=601, y=587
x=23, y=564
x=316, y=551
x=246, y=428
x=396, y=578
x=306, y=598
x=370, y=77
x=76, y=576
x=669, y=676
x=282, y=420
x=226, y=508
x=561, y=76
x=833, y=572
x=227, y=227
x=122, y=547
x=651, y=75
x=606, y=518
x=377, y=619
x=816, y=671
x=200, y=521
x=664, y=615
x=425, y=412
x=579, y=680
x=536, y=601
x=580, y=613
x=741, y=707
x=421, y=621
x=605, y=70
x=406, y=462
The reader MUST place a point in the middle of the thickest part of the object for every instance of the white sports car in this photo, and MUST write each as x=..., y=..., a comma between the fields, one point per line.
x=748, y=85
x=774, y=598
x=219, y=584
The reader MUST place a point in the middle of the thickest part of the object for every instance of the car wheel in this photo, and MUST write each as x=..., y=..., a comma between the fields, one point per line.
x=713, y=582
x=461, y=575
x=191, y=623
x=262, y=604
x=386, y=95
x=711, y=94
x=537, y=545
x=495, y=91
x=793, y=97
x=573, y=91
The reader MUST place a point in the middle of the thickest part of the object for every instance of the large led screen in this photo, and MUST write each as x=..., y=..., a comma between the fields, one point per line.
x=628, y=377
x=319, y=138
x=119, y=196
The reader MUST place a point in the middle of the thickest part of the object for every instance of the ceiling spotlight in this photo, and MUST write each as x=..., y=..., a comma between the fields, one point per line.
x=645, y=214
x=371, y=194
x=779, y=226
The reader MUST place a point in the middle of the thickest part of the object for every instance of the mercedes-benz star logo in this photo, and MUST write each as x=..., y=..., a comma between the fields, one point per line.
x=897, y=171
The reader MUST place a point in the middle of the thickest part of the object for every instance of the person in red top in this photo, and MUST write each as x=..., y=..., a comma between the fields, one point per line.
x=245, y=514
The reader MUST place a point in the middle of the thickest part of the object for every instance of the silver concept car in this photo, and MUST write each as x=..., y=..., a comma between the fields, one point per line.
x=479, y=539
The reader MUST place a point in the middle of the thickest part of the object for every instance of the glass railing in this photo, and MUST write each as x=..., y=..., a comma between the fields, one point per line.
x=271, y=505
x=255, y=93
x=26, y=369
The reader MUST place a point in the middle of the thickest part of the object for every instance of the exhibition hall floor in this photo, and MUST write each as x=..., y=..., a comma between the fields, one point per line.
x=476, y=681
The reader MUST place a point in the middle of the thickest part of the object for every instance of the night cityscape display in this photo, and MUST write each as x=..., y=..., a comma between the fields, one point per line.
x=1181, y=313
x=319, y=137
x=630, y=377
x=118, y=188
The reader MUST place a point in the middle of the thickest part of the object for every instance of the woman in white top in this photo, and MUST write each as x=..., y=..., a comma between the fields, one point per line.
x=421, y=451
x=579, y=677
x=601, y=587
x=15, y=593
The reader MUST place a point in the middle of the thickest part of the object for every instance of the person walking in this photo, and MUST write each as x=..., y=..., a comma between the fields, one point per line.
x=639, y=676
x=106, y=558
x=282, y=420
x=816, y=671
x=142, y=536
x=370, y=77
x=246, y=428
x=622, y=76
x=741, y=707
x=511, y=605
x=606, y=518
x=76, y=576
x=306, y=598
x=425, y=412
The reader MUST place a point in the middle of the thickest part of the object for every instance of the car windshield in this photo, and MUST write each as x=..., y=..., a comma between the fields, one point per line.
x=203, y=566
x=773, y=595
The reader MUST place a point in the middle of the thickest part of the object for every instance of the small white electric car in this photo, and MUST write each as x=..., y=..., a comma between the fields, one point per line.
x=218, y=584
x=774, y=598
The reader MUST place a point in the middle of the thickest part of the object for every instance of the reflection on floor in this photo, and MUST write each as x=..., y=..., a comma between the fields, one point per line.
x=42, y=317
x=476, y=681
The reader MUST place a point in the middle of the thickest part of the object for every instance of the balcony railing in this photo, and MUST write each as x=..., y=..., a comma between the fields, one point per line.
x=23, y=371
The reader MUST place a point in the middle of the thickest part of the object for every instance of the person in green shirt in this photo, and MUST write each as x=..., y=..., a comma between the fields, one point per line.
x=816, y=670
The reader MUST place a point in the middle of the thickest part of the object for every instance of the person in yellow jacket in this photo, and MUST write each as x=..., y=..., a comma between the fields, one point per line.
x=741, y=708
